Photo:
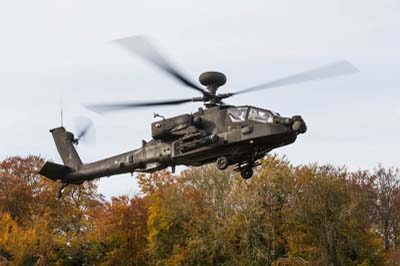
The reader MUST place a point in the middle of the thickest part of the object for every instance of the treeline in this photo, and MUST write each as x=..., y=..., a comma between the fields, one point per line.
x=284, y=215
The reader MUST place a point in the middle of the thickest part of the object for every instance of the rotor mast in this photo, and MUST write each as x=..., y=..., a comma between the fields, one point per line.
x=212, y=80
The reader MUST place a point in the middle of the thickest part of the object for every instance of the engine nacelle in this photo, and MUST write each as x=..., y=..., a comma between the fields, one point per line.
x=170, y=128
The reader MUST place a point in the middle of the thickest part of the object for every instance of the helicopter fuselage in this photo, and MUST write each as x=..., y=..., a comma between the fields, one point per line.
x=227, y=135
x=238, y=134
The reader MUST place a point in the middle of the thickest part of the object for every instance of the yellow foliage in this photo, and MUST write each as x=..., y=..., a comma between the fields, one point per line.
x=14, y=240
x=284, y=216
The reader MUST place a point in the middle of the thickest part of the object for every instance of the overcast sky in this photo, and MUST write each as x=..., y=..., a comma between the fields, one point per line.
x=62, y=48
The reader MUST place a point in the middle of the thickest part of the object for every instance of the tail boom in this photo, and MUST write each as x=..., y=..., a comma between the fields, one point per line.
x=151, y=157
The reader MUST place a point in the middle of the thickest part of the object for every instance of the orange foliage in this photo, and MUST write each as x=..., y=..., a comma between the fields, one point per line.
x=285, y=215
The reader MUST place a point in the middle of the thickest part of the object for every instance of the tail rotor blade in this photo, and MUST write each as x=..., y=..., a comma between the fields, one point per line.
x=84, y=127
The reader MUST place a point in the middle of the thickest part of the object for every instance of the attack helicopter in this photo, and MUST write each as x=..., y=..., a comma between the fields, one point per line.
x=216, y=133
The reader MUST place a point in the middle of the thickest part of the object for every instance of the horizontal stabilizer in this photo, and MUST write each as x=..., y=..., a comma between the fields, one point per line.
x=55, y=171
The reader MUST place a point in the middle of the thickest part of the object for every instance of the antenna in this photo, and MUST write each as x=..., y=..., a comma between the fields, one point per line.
x=61, y=111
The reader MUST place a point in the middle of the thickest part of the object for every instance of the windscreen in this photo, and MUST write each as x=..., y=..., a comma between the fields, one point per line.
x=261, y=116
x=237, y=114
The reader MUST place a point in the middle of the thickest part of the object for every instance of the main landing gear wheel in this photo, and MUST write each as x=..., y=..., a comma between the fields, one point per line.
x=246, y=172
x=222, y=163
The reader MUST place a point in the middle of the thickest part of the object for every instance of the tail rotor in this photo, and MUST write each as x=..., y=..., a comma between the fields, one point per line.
x=84, y=130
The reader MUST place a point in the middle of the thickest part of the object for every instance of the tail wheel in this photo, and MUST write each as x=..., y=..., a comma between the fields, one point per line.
x=246, y=172
x=222, y=163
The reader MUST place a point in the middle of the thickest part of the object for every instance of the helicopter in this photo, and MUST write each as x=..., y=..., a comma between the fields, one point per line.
x=216, y=133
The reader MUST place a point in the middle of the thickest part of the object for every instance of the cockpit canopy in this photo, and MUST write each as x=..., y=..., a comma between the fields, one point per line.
x=239, y=114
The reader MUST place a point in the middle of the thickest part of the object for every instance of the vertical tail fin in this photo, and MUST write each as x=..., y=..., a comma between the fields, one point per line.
x=64, y=142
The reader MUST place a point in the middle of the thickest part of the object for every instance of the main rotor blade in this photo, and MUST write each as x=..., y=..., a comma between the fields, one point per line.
x=142, y=47
x=103, y=108
x=333, y=70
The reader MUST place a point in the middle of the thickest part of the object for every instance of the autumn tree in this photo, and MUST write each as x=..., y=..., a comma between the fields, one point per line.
x=327, y=225
x=284, y=215
x=28, y=203
x=386, y=208
x=119, y=233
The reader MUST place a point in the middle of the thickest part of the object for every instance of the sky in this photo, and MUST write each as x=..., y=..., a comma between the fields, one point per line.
x=62, y=48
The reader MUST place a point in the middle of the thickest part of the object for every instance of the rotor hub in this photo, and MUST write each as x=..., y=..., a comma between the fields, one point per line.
x=212, y=80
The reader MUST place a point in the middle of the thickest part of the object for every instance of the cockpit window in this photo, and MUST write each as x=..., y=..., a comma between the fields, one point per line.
x=259, y=115
x=237, y=114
